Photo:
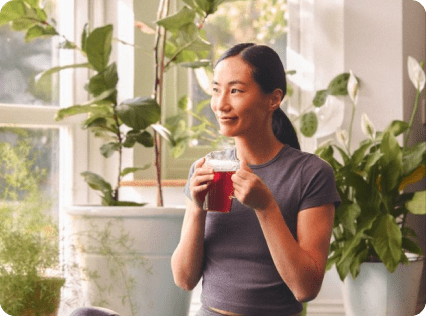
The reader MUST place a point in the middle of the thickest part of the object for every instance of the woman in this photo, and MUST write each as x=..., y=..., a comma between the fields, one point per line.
x=269, y=253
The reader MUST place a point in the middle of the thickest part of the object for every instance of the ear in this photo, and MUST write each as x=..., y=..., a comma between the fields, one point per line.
x=276, y=98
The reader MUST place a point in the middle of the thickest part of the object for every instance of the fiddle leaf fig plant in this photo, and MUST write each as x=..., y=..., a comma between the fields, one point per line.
x=370, y=224
x=178, y=41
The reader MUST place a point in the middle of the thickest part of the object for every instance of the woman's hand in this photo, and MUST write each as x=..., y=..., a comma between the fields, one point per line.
x=200, y=182
x=250, y=190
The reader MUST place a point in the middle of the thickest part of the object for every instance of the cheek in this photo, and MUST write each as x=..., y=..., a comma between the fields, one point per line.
x=213, y=104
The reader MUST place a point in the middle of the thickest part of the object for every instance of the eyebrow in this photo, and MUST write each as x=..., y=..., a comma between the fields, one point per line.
x=230, y=83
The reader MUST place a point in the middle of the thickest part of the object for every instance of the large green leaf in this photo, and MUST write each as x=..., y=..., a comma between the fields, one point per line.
x=352, y=243
x=347, y=214
x=339, y=84
x=79, y=109
x=129, y=170
x=326, y=152
x=139, y=113
x=12, y=10
x=109, y=148
x=21, y=24
x=96, y=182
x=178, y=20
x=53, y=70
x=98, y=47
x=359, y=154
x=144, y=138
x=209, y=6
x=308, y=124
x=84, y=36
x=33, y=3
x=104, y=80
x=411, y=246
x=413, y=157
x=387, y=241
x=391, y=162
x=38, y=31
x=371, y=160
x=397, y=127
x=354, y=180
x=95, y=121
x=320, y=98
x=359, y=258
x=205, y=5
x=417, y=205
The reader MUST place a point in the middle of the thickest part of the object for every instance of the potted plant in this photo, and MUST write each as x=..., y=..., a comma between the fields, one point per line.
x=178, y=41
x=30, y=282
x=371, y=240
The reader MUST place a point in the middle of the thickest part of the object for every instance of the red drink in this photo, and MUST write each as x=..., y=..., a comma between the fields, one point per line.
x=219, y=198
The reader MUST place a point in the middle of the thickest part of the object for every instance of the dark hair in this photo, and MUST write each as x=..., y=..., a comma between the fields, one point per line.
x=268, y=72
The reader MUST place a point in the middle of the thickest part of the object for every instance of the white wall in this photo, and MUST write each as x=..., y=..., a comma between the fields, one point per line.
x=374, y=39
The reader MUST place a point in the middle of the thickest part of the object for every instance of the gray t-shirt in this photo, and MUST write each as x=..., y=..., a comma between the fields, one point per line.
x=239, y=274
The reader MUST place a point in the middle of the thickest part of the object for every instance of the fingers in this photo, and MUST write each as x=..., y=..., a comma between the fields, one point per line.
x=201, y=180
x=200, y=163
x=244, y=166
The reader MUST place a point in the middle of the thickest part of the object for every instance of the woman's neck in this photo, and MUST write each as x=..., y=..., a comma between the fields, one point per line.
x=257, y=151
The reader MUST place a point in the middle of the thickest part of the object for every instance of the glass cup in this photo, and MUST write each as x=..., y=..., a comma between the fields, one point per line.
x=221, y=192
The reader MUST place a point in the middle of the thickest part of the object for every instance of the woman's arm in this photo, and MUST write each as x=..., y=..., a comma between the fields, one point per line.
x=301, y=264
x=187, y=259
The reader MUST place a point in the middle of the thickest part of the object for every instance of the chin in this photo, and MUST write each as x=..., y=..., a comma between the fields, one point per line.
x=228, y=132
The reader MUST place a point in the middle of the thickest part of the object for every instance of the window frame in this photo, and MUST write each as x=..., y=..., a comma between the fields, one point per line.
x=21, y=115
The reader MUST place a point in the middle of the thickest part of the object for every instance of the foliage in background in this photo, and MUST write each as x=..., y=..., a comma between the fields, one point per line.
x=263, y=22
x=178, y=41
x=371, y=179
x=28, y=235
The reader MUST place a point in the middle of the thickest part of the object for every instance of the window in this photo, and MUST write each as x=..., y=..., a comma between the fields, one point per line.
x=22, y=127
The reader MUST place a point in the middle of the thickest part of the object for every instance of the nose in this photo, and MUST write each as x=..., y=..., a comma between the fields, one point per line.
x=220, y=103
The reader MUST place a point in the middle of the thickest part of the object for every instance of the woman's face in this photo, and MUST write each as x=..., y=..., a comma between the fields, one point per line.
x=240, y=106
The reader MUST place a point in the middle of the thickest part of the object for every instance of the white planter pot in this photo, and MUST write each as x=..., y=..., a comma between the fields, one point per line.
x=377, y=292
x=155, y=232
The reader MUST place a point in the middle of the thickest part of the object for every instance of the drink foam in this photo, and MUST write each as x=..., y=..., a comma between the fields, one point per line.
x=222, y=161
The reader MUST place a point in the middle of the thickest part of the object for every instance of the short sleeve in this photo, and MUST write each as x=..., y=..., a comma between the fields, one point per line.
x=186, y=188
x=318, y=184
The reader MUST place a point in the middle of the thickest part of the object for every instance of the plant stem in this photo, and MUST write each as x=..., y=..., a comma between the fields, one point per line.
x=413, y=114
x=120, y=157
x=350, y=128
x=160, y=40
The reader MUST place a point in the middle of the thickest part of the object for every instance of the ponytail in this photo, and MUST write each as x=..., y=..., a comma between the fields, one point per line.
x=283, y=129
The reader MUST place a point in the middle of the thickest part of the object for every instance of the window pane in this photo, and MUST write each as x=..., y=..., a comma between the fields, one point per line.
x=260, y=22
x=20, y=62
x=29, y=164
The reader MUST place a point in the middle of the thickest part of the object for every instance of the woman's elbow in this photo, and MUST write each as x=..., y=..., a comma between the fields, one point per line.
x=307, y=294
x=184, y=283
x=181, y=278
x=305, y=298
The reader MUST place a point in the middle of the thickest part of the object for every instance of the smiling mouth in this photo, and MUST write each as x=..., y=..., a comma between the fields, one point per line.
x=227, y=119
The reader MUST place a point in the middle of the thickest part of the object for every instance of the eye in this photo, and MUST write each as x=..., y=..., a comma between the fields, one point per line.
x=215, y=90
x=234, y=90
